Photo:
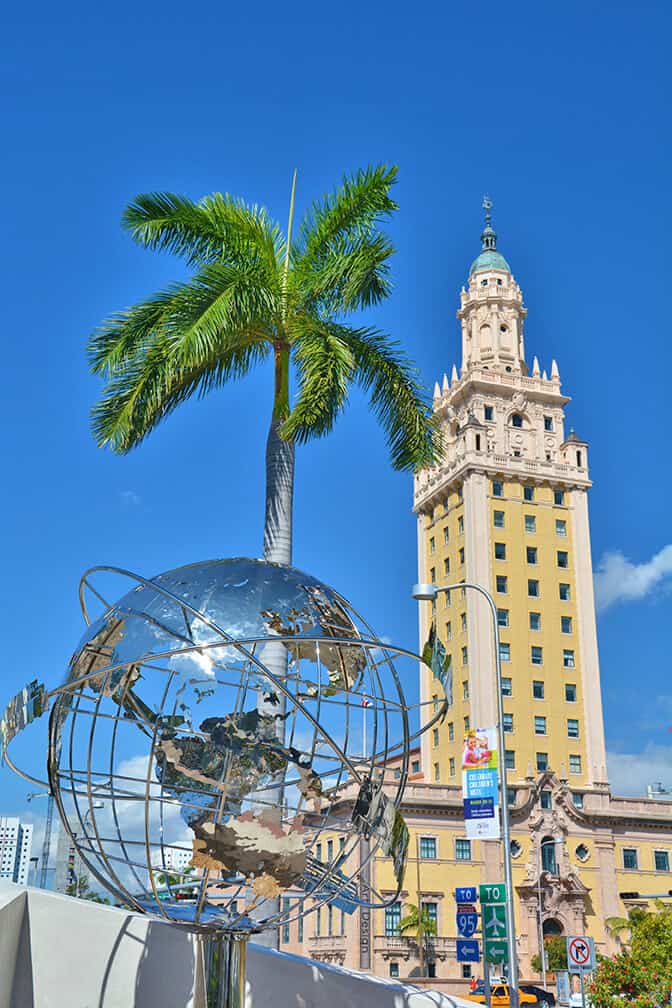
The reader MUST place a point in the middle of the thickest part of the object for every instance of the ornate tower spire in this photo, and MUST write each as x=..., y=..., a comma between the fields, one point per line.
x=489, y=236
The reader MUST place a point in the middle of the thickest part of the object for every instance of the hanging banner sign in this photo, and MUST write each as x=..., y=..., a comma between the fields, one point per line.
x=480, y=784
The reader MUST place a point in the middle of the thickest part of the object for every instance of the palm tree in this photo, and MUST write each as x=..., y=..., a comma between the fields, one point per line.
x=254, y=293
x=620, y=928
x=422, y=926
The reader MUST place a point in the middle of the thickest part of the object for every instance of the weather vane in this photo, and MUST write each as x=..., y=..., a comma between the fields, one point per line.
x=487, y=206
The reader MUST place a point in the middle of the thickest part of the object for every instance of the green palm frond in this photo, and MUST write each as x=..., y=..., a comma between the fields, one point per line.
x=354, y=275
x=218, y=228
x=397, y=397
x=151, y=386
x=324, y=365
x=119, y=337
x=353, y=209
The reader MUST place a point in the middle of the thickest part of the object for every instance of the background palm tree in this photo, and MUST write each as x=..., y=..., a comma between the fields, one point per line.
x=620, y=928
x=254, y=293
x=422, y=926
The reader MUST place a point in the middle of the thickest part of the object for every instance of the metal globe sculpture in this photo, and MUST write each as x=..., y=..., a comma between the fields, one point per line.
x=229, y=748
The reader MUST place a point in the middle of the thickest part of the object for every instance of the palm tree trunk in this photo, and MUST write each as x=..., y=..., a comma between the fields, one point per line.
x=277, y=549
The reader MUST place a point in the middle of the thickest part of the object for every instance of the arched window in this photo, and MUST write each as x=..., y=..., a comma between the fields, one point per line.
x=517, y=420
x=552, y=927
x=548, y=862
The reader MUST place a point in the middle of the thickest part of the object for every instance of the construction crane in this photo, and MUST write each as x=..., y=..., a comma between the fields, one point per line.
x=46, y=843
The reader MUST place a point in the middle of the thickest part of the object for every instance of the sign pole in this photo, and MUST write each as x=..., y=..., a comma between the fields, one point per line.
x=583, y=991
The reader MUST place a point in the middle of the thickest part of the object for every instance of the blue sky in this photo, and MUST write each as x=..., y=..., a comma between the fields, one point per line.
x=561, y=114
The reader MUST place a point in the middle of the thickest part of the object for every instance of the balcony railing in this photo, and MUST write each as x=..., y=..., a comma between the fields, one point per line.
x=406, y=947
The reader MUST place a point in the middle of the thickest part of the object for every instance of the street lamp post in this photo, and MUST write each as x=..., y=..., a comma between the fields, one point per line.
x=428, y=593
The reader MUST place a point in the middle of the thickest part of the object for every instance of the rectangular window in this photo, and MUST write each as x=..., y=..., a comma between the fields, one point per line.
x=542, y=761
x=300, y=923
x=575, y=764
x=502, y=617
x=435, y=703
x=568, y=658
x=497, y=488
x=566, y=624
x=507, y=686
x=488, y=412
x=537, y=655
x=538, y=689
x=330, y=919
x=330, y=850
x=530, y=523
x=459, y=492
x=500, y=551
x=415, y=766
x=463, y=622
x=528, y=493
x=437, y=773
x=466, y=971
x=535, y=621
x=428, y=848
x=432, y=912
x=467, y=724
x=577, y=799
x=285, y=927
x=533, y=588
x=508, y=722
x=539, y=725
x=446, y=535
x=572, y=728
x=548, y=423
x=558, y=498
x=460, y=525
x=461, y=554
x=546, y=800
x=502, y=584
x=563, y=558
x=510, y=759
x=630, y=858
x=446, y=565
x=465, y=656
x=432, y=575
x=432, y=545
x=498, y=519
x=451, y=766
x=510, y=796
x=392, y=919
x=570, y=692
x=449, y=631
x=435, y=738
x=531, y=554
x=560, y=527
x=465, y=689
x=463, y=850
x=661, y=860
x=564, y=593
x=505, y=652
x=451, y=731
x=394, y=970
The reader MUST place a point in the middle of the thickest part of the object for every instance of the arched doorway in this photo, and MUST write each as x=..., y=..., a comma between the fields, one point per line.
x=552, y=927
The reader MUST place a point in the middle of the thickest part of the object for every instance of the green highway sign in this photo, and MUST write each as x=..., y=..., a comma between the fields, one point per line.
x=494, y=893
x=493, y=920
x=496, y=950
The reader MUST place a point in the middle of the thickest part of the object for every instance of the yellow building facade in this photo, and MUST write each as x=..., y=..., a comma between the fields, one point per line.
x=507, y=508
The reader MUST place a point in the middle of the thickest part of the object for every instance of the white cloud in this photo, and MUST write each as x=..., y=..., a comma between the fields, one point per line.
x=617, y=579
x=630, y=773
x=129, y=498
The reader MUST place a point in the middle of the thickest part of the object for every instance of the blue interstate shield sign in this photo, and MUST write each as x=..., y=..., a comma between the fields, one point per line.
x=466, y=894
x=467, y=951
x=467, y=923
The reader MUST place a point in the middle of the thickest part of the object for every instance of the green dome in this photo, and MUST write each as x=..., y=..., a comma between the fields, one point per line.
x=489, y=259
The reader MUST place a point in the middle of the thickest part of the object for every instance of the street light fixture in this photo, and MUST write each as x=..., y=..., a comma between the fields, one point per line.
x=428, y=593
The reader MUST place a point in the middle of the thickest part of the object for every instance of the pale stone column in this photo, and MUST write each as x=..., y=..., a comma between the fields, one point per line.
x=606, y=856
x=424, y=619
x=596, y=771
x=479, y=620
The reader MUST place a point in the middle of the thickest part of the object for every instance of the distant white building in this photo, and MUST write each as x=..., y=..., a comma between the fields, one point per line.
x=174, y=860
x=16, y=842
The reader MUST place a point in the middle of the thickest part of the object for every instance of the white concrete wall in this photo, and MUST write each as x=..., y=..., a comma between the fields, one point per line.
x=58, y=952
